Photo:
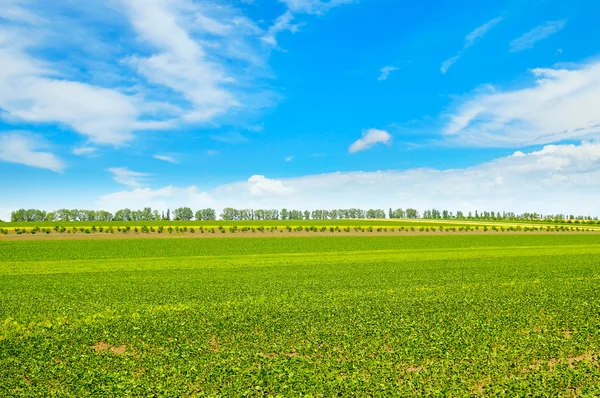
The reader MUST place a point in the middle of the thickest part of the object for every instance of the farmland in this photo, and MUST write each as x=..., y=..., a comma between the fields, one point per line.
x=451, y=315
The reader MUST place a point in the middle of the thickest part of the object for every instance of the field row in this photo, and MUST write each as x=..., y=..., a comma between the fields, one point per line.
x=390, y=223
x=234, y=229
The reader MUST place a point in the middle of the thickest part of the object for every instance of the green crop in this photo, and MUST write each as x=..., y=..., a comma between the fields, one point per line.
x=450, y=315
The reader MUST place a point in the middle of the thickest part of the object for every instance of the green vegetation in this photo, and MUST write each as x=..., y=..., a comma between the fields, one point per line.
x=496, y=315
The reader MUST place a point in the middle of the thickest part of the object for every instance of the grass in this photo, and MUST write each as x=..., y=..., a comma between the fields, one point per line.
x=502, y=315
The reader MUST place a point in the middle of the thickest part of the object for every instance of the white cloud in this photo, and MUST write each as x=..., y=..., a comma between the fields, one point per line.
x=313, y=6
x=192, y=54
x=212, y=152
x=568, y=174
x=84, y=150
x=25, y=149
x=260, y=185
x=528, y=40
x=370, y=138
x=470, y=40
x=289, y=158
x=284, y=21
x=164, y=158
x=124, y=176
x=31, y=91
x=204, y=62
x=11, y=11
x=163, y=198
x=560, y=105
x=385, y=72
x=230, y=138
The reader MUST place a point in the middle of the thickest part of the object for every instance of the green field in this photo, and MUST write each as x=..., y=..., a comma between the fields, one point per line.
x=466, y=315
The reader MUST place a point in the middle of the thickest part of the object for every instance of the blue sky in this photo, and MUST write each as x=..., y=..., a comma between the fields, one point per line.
x=300, y=103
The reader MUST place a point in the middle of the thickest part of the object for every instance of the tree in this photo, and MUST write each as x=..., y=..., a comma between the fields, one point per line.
x=206, y=215
x=412, y=213
x=229, y=214
x=168, y=215
x=183, y=214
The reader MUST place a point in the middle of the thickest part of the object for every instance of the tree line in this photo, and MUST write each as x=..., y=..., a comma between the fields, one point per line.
x=231, y=214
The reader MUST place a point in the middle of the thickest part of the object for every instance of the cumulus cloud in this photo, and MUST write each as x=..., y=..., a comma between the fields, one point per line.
x=528, y=40
x=568, y=174
x=164, y=158
x=370, y=138
x=26, y=149
x=559, y=105
x=386, y=71
x=124, y=176
x=470, y=40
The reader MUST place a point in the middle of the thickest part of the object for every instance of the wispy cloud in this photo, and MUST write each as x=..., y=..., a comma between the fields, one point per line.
x=84, y=150
x=560, y=104
x=282, y=23
x=164, y=158
x=289, y=158
x=295, y=7
x=386, y=71
x=370, y=138
x=314, y=6
x=230, y=138
x=127, y=177
x=470, y=40
x=205, y=62
x=528, y=40
x=212, y=152
x=26, y=149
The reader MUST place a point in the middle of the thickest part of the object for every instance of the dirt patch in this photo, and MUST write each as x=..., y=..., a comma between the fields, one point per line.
x=102, y=346
x=571, y=362
x=214, y=344
x=413, y=369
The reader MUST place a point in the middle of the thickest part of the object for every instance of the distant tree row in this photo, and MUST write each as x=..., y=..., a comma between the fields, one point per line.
x=231, y=214
x=146, y=214
x=496, y=215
